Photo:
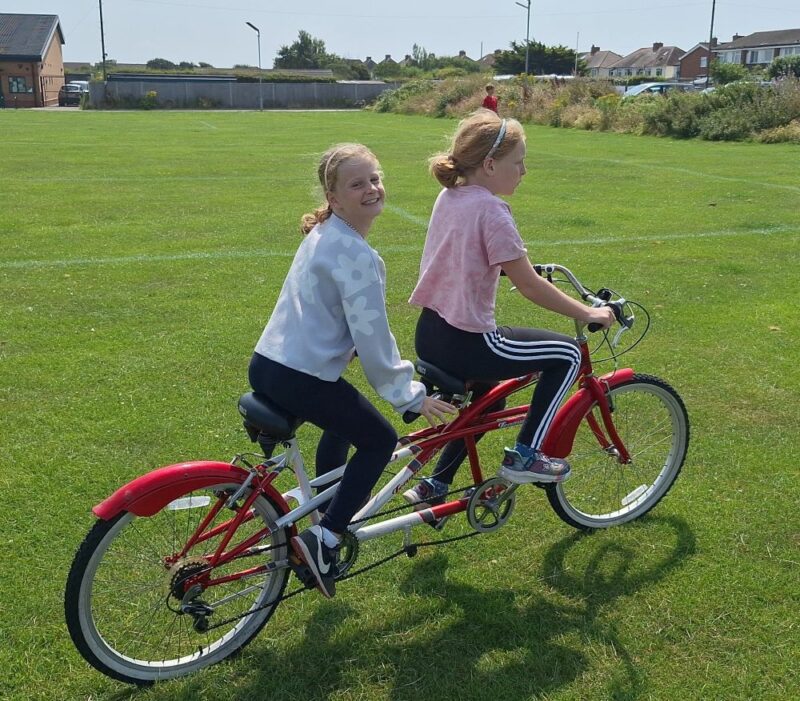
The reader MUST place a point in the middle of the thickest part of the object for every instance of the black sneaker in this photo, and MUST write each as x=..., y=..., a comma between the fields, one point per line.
x=321, y=559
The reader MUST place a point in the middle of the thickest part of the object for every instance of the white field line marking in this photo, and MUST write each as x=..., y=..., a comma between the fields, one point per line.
x=407, y=215
x=725, y=233
x=675, y=169
x=261, y=253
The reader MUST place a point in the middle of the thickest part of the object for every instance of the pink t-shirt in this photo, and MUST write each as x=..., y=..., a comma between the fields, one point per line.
x=470, y=234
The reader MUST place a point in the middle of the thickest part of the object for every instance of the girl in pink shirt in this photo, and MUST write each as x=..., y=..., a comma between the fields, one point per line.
x=471, y=238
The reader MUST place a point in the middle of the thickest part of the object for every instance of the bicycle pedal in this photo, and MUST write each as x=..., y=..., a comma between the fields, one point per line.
x=439, y=523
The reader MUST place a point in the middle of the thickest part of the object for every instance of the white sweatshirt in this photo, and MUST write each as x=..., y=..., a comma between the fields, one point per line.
x=333, y=302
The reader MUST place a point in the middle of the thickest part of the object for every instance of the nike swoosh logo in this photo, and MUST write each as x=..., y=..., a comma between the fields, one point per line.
x=324, y=567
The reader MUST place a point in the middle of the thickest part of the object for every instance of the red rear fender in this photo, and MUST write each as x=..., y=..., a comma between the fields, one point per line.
x=148, y=494
x=559, y=439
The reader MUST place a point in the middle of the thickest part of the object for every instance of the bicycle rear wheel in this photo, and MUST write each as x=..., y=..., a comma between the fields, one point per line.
x=652, y=422
x=123, y=596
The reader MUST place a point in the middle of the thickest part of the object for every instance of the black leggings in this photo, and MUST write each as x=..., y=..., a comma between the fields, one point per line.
x=487, y=358
x=346, y=418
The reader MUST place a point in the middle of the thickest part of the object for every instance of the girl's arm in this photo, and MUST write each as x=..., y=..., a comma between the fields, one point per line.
x=539, y=291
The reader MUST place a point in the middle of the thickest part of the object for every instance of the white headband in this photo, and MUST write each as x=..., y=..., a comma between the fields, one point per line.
x=328, y=165
x=499, y=140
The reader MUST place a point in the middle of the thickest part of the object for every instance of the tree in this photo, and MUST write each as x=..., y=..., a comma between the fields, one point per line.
x=160, y=64
x=306, y=52
x=785, y=67
x=724, y=73
x=542, y=59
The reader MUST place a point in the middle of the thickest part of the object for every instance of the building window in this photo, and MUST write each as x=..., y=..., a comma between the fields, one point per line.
x=704, y=62
x=18, y=85
x=758, y=56
x=789, y=50
x=659, y=71
x=729, y=56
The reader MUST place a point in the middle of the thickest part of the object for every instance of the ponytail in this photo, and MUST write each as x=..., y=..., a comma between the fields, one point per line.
x=310, y=220
x=445, y=169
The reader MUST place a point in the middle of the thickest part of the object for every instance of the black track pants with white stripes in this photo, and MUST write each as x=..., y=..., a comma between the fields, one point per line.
x=498, y=355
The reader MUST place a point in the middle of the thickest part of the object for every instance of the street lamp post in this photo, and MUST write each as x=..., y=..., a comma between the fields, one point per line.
x=260, y=91
x=710, y=39
x=527, y=36
x=103, y=41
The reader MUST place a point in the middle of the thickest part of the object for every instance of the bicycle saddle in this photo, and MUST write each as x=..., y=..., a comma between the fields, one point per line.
x=439, y=378
x=262, y=414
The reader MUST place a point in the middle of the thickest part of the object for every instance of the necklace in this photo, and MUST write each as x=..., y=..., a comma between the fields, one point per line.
x=352, y=227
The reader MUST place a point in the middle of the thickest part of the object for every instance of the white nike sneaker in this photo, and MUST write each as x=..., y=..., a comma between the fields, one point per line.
x=321, y=559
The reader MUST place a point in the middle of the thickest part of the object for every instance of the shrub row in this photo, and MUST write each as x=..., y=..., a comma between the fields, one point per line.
x=735, y=112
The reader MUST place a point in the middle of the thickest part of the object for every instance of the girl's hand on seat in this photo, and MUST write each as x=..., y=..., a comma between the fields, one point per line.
x=435, y=410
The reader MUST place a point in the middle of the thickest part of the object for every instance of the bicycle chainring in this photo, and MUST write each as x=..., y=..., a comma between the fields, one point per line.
x=491, y=505
x=348, y=554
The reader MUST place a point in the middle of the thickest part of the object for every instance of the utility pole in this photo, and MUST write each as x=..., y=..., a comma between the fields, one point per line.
x=103, y=42
x=710, y=39
x=577, y=41
x=260, y=91
x=527, y=36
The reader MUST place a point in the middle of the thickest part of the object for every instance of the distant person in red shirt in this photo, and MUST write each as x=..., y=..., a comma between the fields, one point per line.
x=490, y=101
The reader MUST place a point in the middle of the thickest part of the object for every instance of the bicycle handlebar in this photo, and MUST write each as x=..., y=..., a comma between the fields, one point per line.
x=600, y=299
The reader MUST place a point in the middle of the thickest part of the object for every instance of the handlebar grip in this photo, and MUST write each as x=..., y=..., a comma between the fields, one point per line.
x=410, y=416
x=616, y=307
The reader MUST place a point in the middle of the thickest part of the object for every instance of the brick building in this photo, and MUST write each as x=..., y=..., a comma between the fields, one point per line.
x=31, y=63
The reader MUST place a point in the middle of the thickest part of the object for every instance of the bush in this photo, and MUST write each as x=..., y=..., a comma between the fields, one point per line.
x=149, y=101
x=789, y=133
x=726, y=124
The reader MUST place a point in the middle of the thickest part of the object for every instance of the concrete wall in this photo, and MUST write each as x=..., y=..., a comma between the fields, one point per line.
x=232, y=95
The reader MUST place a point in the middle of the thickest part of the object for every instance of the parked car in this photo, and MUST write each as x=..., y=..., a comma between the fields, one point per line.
x=759, y=83
x=655, y=89
x=70, y=94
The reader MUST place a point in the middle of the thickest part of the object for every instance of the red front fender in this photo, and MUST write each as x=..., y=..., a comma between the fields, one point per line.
x=148, y=494
x=559, y=439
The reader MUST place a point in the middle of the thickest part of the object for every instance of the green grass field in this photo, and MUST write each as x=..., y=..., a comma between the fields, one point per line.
x=140, y=255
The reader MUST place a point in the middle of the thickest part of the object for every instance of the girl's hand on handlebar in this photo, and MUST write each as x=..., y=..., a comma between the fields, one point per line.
x=601, y=315
x=435, y=410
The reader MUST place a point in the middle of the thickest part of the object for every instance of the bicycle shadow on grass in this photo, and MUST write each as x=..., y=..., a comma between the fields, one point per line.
x=454, y=640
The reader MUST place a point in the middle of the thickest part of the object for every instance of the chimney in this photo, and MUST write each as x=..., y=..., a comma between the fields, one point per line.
x=657, y=45
x=462, y=54
x=736, y=36
x=388, y=57
x=408, y=57
x=714, y=42
x=595, y=49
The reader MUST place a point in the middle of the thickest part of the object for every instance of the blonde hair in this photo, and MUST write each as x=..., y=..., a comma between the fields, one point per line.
x=476, y=138
x=327, y=171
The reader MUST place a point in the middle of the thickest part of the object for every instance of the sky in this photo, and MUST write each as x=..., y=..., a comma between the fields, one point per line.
x=214, y=31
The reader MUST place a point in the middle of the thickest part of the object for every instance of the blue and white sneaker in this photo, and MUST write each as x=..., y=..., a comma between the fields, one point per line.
x=428, y=492
x=537, y=467
x=321, y=560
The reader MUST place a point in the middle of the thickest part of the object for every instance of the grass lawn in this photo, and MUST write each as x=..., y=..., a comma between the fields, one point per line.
x=140, y=256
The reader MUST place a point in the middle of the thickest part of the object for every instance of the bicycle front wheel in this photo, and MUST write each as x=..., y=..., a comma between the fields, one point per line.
x=123, y=594
x=652, y=422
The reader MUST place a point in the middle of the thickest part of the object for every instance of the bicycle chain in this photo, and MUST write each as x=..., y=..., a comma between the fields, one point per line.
x=404, y=550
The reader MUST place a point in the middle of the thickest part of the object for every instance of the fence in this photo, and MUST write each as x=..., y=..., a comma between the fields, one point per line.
x=225, y=94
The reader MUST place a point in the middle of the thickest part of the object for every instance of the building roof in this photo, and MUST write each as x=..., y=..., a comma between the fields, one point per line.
x=779, y=37
x=701, y=45
x=654, y=56
x=27, y=37
x=600, y=59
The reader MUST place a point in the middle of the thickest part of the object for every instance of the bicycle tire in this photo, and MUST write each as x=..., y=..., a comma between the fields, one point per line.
x=652, y=421
x=118, y=590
